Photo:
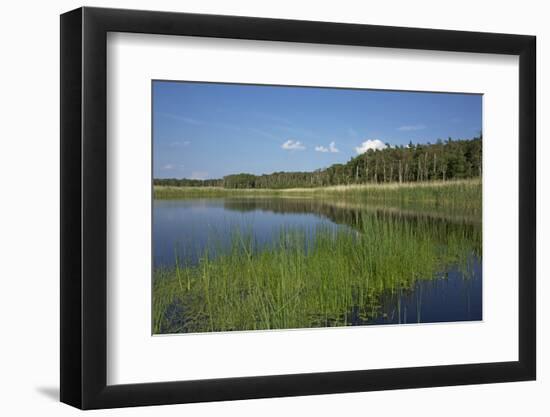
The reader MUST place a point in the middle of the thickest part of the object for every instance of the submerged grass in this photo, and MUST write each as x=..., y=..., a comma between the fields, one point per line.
x=298, y=281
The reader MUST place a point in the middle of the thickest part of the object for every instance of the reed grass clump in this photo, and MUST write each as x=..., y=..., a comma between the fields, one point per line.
x=302, y=280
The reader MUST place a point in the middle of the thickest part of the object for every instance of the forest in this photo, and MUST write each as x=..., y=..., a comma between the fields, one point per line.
x=443, y=160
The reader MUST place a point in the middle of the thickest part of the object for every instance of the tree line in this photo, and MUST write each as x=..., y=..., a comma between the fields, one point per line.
x=443, y=160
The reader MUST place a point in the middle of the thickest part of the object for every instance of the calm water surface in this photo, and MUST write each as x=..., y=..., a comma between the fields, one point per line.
x=185, y=228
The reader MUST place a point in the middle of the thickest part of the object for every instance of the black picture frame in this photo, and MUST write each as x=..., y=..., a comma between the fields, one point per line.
x=84, y=207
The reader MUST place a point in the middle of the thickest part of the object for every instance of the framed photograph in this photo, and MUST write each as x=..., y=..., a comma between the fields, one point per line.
x=256, y=208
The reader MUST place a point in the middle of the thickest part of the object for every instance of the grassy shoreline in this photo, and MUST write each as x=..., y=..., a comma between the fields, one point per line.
x=425, y=188
x=457, y=195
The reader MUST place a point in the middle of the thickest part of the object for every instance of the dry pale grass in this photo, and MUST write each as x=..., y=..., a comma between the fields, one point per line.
x=332, y=188
x=385, y=186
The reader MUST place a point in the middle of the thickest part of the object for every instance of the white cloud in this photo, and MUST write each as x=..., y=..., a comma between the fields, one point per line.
x=168, y=167
x=331, y=148
x=293, y=145
x=370, y=144
x=409, y=128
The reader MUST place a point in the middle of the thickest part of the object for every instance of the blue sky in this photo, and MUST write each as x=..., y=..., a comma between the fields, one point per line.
x=206, y=130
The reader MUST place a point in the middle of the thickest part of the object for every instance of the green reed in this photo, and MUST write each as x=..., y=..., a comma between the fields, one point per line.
x=303, y=280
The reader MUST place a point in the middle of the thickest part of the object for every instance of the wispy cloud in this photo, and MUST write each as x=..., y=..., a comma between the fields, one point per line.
x=264, y=133
x=231, y=126
x=373, y=144
x=171, y=167
x=409, y=128
x=295, y=131
x=199, y=175
x=178, y=143
x=191, y=121
x=185, y=119
x=271, y=117
x=352, y=132
x=293, y=145
x=331, y=148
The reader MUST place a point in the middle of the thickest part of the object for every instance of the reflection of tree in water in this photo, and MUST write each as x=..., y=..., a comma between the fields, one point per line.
x=351, y=213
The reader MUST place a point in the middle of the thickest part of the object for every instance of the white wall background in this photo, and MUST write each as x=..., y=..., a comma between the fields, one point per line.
x=29, y=213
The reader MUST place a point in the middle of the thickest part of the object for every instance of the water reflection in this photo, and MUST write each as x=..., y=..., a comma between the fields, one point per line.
x=184, y=227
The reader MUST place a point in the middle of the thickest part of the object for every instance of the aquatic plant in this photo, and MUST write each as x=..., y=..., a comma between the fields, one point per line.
x=302, y=280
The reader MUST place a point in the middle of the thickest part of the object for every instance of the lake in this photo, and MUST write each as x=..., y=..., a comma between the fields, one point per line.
x=427, y=264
